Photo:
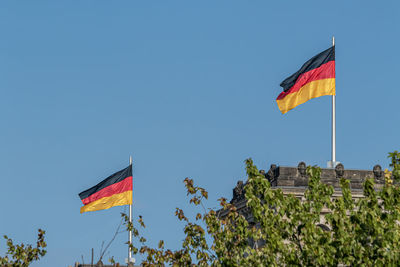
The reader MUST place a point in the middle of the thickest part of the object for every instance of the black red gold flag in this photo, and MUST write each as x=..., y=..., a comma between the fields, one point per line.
x=115, y=190
x=314, y=79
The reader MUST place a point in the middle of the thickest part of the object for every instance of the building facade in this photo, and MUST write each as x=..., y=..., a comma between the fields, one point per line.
x=294, y=180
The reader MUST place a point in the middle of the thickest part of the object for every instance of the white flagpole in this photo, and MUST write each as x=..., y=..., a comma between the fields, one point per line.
x=334, y=120
x=130, y=219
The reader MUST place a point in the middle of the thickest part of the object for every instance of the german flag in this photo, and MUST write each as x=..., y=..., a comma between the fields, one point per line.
x=116, y=190
x=314, y=79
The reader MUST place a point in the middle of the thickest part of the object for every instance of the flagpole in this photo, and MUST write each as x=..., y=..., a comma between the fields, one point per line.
x=130, y=220
x=334, y=121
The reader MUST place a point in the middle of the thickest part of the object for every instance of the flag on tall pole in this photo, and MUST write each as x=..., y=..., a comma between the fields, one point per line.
x=333, y=162
x=130, y=220
x=115, y=190
x=314, y=79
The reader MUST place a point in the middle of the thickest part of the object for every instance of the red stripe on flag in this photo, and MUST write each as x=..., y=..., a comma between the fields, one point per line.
x=325, y=71
x=122, y=186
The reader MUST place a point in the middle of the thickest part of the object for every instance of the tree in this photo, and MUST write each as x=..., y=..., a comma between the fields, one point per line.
x=286, y=230
x=22, y=255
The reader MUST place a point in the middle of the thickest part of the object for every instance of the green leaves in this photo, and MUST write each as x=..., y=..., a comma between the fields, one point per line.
x=22, y=255
x=395, y=164
x=279, y=229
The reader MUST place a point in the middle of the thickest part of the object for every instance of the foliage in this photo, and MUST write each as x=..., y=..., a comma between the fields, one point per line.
x=22, y=255
x=395, y=164
x=284, y=230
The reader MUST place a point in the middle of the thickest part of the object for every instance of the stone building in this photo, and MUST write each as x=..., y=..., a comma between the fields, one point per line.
x=100, y=264
x=294, y=180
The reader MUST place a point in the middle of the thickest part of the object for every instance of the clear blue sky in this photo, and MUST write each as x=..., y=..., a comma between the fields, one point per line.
x=187, y=88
